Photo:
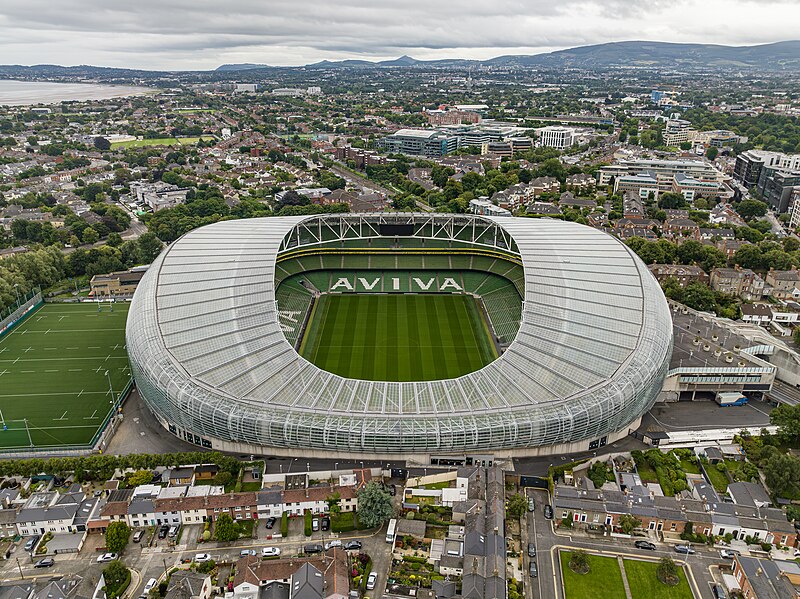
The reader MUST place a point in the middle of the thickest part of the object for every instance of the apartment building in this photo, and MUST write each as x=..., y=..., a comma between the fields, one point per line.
x=741, y=282
x=556, y=137
x=419, y=142
x=683, y=275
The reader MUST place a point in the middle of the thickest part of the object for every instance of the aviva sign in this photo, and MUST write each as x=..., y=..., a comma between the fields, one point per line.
x=371, y=283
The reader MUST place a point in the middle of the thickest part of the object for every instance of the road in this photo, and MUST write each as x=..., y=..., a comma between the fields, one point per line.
x=548, y=544
x=361, y=182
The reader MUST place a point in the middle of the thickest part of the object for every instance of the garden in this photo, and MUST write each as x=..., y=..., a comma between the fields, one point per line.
x=413, y=571
x=360, y=567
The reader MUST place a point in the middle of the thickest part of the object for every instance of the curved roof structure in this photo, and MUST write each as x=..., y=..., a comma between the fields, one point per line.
x=209, y=356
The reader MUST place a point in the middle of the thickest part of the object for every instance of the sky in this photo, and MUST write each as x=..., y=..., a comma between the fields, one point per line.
x=202, y=34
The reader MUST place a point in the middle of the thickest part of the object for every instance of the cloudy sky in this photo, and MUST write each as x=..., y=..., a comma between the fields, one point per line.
x=202, y=34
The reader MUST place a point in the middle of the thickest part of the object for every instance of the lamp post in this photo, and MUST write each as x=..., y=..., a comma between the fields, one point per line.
x=16, y=290
x=21, y=575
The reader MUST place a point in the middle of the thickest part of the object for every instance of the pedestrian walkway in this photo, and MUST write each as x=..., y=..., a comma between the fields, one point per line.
x=621, y=563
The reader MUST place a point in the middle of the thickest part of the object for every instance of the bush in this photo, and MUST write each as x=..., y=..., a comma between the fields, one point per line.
x=766, y=547
x=117, y=578
x=285, y=524
x=579, y=562
x=667, y=572
x=206, y=567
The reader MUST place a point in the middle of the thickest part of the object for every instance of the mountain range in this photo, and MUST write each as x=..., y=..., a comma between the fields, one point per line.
x=779, y=56
x=773, y=57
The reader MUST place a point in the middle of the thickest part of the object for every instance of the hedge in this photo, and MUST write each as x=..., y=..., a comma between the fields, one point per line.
x=308, y=517
x=285, y=524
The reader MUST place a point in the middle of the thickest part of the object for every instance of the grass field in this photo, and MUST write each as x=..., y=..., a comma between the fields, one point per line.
x=644, y=583
x=158, y=141
x=53, y=374
x=401, y=337
x=603, y=580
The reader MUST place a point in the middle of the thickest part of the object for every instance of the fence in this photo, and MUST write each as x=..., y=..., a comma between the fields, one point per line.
x=15, y=315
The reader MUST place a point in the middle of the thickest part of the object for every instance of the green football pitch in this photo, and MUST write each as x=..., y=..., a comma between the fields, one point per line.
x=398, y=337
x=54, y=390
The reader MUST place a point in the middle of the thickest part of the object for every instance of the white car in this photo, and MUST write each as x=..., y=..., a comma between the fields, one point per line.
x=150, y=584
x=106, y=557
x=371, y=580
x=202, y=557
x=334, y=543
x=270, y=551
x=726, y=554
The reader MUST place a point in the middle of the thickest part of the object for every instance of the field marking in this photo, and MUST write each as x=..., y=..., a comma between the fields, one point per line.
x=3, y=350
x=75, y=370
x=62, y=358
x=92, y=417
x=55, y=393
x=81, y=393
x=63, y=416
x=4, y=372
x=28, y=349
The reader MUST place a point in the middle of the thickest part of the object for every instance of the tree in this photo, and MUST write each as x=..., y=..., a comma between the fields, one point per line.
x=669, y=199
x=90, y=235
x=140, y=477
x=667, y=572
x=117, y=534
x=711, y=153
x=579, y=562
x=115, y=575
x=102, y=144
x=786, y=417
x=629, y=523
x=782, y=475
x=517, y=506
x=374, y=505
x=333, y=504
x=226, y=529
x=149, y=247
x=749, y=209
x=223, y=478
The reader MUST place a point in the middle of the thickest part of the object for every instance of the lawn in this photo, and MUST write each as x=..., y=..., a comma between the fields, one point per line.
x=445, y=484
x=719, y=480
x=55, y=371
x=644, y=584
x=397, y=337
x=158, y=141
x=603, y=580
x=646, y=473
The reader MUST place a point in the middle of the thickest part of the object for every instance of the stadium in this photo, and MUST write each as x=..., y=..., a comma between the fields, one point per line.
x=391, y=335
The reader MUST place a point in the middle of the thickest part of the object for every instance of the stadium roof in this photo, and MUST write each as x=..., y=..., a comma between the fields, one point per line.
x=594, y=338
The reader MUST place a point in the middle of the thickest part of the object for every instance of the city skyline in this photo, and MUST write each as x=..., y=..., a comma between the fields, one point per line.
x=179, y=35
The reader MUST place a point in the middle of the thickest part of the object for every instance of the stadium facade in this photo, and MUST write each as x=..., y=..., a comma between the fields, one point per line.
x=217, y=365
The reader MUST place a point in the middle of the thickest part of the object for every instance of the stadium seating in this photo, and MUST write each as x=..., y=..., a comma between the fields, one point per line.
x=294, y=302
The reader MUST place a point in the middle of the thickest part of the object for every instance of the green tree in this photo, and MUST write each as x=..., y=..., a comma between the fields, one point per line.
x=117, y=534
x=667, y=572
x=117, y=578
x=786, y=417
x=374, y=505
x=333, y=500
x=90, y=235
x=223, y=478
x=517, y=506
x=149, y=247
x=749, y=209
x=225, y=528
x=711, y=153
x=629, y=523
x=579, y=562
x=140, y=477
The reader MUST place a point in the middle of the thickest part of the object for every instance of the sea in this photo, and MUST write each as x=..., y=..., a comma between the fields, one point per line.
x=25, y=93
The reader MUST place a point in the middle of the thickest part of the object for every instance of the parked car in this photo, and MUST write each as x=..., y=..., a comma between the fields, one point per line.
x=173, y=531
x=271, y=521
x=247, y=552
x=44, y=563
x=392, y=490
x=270, y=551
x=727, y=554
x=548, y=512
x=31, y=543
x=137, y=536
x=534, y=570
x=531, y=505
x=162, y=532
x=718, y=592
x=531, y=550
x=334, y=543
x=315, y=524
x=314, y=548
x=645, y=545
x=350, y=545
x=684, y=549
x=149, y=586
x=372, y=579
x=106, y=557
x=202, y=557
x=326, y=523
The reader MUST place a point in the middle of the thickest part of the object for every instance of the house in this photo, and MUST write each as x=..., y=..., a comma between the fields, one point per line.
x=412, y=528
x=581, y=182
x=117, y=284
x=186, y=584
x=567, y=199
x=49, y=512
x=181, y=476
x=717, y=234
x=320, y=577
x=766, y=579
x=757, y=313
x=314, y=499
x=543, y=208
x=205, y=471
x=741, y=282
x=785, y=283
x=682, y=274
x=681, y=228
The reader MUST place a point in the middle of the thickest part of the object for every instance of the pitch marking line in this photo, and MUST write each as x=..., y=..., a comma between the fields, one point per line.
x=55, y=393
x=63, y=416
x=4, y=372
x=92, y=417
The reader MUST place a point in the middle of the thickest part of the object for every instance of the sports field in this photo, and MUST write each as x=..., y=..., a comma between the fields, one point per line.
x=398, y=337
x=159, y=141
x=54, y=389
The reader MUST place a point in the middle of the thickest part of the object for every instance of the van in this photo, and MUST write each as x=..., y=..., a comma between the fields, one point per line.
x=137, y=536
x=173, y=531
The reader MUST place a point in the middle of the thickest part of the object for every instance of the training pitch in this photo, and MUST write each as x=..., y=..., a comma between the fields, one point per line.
x=400, y=337
x=56, y=368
